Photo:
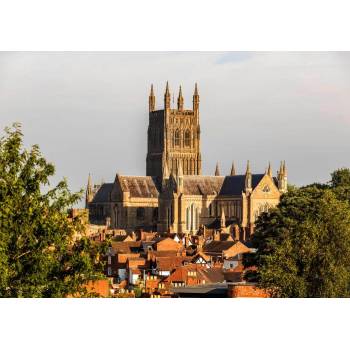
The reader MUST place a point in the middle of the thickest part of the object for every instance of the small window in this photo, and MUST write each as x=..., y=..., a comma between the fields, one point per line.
x=109, y=271
x=109, y=260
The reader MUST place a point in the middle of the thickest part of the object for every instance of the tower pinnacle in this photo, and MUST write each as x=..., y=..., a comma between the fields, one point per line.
x=195, y=99
x=167, y=97
x=217, y=170
x=248, y=178
x=152, y=100
x=180, y=101
x=269, y=170
x=233, y=169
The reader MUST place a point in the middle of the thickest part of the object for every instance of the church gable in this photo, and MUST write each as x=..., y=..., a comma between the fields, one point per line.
x=266, y=188
x=103, y=193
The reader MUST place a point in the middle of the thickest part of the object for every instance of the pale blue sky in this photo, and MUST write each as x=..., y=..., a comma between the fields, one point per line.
x=89, y=111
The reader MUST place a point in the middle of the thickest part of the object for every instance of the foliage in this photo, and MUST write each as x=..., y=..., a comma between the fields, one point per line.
x=303, y=246
x=340, y=183
x=39, y=256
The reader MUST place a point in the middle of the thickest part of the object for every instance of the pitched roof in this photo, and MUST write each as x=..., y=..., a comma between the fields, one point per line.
x=126, y=247
x=218, y=246
x=234, y=185
x=103, y=193
x=212, y=275
x=202, y=185
x=139, y=186
x=170, y=263
x=223, y=185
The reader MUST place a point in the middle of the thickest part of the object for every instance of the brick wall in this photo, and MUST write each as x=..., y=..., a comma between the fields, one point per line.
x=246, y=291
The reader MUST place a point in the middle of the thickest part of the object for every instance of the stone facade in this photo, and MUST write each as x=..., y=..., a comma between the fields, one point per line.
x=173, y=196
x=173, y=136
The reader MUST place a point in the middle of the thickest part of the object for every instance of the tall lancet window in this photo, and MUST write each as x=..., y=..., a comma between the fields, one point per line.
x=177, y=138
x=187, y=138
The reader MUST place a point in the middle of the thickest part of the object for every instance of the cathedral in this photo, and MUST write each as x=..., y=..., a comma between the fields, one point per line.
x=174, y=196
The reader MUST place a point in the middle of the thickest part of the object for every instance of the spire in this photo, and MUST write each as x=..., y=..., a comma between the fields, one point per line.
x=282, y=177
x=89, y=192
x=233, y=169
x=151, y=100
x=222, y=219
x=217, y=170
x=196, y=99
x=248, y=178
x=248, y=168
x=180, y=101
x=269, y=170
x=284, y=168
x=167, y=97
x=167, y=92
x=195, y=90
x=280, y=173
x=89, y=185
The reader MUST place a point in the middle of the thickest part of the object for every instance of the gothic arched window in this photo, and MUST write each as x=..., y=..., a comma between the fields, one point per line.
x=177, y=138
x=187, y=138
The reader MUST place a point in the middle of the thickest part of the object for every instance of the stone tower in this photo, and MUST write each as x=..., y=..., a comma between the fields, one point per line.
x=173, y=136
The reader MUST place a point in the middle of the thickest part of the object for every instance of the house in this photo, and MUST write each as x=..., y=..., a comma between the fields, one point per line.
x=193, y=274
x=135, y=266
x=202, y=259
x=225, y=249
x=166, y=244
x=164, y=265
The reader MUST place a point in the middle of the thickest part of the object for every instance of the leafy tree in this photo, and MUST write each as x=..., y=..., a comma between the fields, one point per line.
x=39, y=256
x=303, y=245
x=340, y=183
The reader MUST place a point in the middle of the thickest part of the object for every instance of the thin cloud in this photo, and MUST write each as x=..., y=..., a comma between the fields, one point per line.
x=234, y=57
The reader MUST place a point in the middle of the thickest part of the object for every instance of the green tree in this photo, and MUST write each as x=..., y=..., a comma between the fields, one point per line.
x=340, y=183
x=39, y=256
x=303, y=246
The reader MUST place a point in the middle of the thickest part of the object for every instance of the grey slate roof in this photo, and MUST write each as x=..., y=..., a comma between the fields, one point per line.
x=103, y=193
x=234, y=185
x=222, y=185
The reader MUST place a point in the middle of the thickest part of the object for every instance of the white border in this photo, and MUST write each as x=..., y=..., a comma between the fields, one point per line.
x=174, y=25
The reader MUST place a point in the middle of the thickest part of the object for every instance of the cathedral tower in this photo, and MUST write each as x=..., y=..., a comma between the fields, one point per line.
x=173, y=136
